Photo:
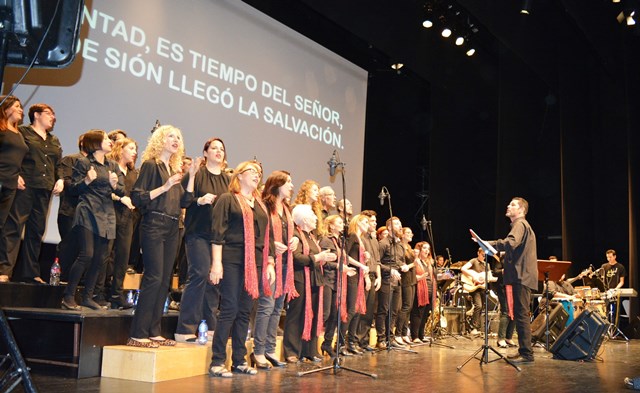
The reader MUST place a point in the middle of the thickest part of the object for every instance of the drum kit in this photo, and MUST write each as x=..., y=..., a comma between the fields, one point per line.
x=454, y=302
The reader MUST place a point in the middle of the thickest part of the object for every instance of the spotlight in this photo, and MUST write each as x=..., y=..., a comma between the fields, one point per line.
x=470, y=52
x=427, y=24
x=397, y=66
x=459, y=41
x=615, y=1
x=446, y=32
x=526, y=7
x=626, y=17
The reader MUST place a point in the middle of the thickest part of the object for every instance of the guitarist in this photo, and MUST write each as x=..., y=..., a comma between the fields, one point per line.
x=473, y=282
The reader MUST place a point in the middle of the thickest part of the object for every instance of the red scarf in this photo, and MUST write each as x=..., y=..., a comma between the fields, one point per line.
x=361, y=302
x=250, y=270
x=423, y=289
x=508, y=289
x=343, y=287
x=308, y=309
x=289, y=287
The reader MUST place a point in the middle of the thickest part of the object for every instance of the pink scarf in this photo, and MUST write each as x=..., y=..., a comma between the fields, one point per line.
x=308, y=310
x=250, y=270
x=289, y=287
x=508, y=289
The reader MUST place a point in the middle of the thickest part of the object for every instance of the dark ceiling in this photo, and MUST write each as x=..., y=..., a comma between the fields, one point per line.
x=374, y=34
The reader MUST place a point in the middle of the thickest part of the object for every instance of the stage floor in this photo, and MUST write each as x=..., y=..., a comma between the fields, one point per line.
x=432, y=369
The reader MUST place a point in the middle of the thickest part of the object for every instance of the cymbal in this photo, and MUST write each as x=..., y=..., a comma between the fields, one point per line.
x=458, y=265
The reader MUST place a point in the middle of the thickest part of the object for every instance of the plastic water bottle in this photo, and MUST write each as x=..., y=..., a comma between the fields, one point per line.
x=203, y=330
x=54, y=277
x=166, y=306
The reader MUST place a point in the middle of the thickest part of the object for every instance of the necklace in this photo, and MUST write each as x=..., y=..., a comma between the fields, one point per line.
x=250, y=198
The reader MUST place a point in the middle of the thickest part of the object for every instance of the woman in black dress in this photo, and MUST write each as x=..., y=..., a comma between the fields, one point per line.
x=12, y=150
x=94, y=179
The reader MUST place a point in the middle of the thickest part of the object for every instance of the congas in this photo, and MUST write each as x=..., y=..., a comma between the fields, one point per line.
x=598, y=306
x=578, y=307
x=580, y=291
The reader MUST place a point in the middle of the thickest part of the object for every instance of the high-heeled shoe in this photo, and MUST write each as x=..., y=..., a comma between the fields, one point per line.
x=313, y=359
x=275, y=362
x=255, y=363
x=502, y=344
x=327, y=350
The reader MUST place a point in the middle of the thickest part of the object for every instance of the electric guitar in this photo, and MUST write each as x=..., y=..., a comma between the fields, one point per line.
x=470, y=284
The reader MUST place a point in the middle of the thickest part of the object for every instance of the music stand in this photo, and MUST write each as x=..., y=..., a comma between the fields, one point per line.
x=546, y=270
x=489, y=252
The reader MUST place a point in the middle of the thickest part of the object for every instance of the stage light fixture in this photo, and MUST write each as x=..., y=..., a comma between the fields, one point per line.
x=397, y=66
x=427, y=24
x=526, y=7
x=615, y=1
x=627, y=17
x=459, y=40
x=446, y=32
x=471, y=52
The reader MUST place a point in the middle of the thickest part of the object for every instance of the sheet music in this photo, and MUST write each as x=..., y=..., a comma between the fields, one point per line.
x=488, y=247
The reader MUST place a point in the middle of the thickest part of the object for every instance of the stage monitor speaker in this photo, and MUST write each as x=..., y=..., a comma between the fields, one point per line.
x=582, y=339
x=557, y=321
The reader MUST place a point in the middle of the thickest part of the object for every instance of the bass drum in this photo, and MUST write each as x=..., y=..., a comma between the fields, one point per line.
x=461, y=298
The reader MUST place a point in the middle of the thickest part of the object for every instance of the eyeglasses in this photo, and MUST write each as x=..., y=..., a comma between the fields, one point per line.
x=48, y=112
x=252, y=171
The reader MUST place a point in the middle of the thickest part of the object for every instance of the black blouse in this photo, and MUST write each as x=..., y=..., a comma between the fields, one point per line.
x=12, y=151
x=68, y=200
x=154, y=174
x=198, y=219
x=123, y=213
x=227, y=229
x=330, y=268
x=40, y=162
x=300, y=261
x=95, y=210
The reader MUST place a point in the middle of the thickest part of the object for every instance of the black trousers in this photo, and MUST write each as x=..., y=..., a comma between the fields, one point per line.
x=386, y=293
x=294, y=324
x=6, y=201
x=521, y=304
x=200, y=298
x=68, y=247
x=364, y=324
x=120, y=255
x=419, y=315
x=348, y=329
x=28, y=212
x=235, y=307
x=159, y=245
x=93, y=251
x=408, y=295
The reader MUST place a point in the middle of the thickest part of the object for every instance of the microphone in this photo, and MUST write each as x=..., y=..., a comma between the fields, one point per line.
x=333, y=163
x=381, y=196
x=423, y=223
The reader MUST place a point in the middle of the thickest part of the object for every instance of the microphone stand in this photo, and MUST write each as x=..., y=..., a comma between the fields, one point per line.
x=337, y=360
x=384, y=193
x=486, y=347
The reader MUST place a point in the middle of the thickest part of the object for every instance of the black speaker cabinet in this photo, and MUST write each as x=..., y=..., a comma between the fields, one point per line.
x=582, y=339
x=558, y=317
